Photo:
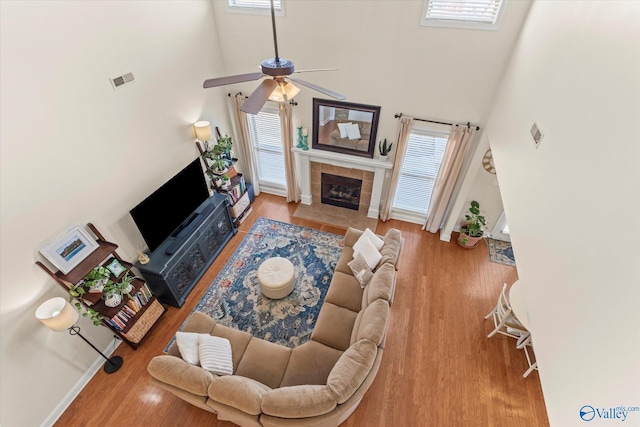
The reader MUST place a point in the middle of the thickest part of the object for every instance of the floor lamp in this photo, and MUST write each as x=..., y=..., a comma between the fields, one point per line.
x=57, y=314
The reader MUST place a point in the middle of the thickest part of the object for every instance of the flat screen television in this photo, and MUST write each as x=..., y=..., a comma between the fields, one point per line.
x=169, y=206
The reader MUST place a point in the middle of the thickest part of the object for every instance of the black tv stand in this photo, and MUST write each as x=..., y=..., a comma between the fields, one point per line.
x=185, y=230
x=180, y=261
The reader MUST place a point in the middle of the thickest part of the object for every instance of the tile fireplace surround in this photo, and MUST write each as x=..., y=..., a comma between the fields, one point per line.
x=347, y=164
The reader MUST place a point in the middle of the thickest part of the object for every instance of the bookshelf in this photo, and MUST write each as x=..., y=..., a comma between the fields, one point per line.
x=138, y=312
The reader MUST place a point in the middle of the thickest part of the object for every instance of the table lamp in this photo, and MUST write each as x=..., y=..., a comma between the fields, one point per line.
x=57, y=314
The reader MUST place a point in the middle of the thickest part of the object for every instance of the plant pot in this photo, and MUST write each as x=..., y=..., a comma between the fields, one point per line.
x=113, y=300
x=466, y=241
x=128, y=289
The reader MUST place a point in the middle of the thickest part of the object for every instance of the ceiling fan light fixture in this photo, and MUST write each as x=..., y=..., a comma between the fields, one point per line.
x=286, y=89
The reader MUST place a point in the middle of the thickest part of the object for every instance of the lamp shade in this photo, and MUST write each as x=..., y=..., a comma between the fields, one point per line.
x=286, y=88
x=57, y=314
x=203, y=130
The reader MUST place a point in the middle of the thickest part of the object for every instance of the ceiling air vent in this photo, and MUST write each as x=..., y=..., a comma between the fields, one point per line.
x=120, y=81
x=536, y=134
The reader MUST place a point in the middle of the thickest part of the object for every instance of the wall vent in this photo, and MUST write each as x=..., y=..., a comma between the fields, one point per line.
x=536, y=134
x=122, y=80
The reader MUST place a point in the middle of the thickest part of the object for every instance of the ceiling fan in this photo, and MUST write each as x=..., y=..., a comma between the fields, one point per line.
x=278, y=87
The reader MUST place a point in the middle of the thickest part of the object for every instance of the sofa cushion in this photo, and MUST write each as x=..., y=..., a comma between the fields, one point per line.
x=345, y=291
x=360, y=270
x=345, y=259
x=373, y=323
x=239, y=341
x=239, y=392
x=334, y=325
x=265, y=362
x=353, y=131
x=178, y=373
x=352, y=369
x=215, y=354
x=299, y=401
x=381, y=284
x=392, y=246
x=199, y=323
x=342, y=129
x=310, y=363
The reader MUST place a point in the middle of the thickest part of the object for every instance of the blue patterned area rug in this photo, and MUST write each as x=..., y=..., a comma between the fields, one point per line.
x=501, y=252
x=234, y=298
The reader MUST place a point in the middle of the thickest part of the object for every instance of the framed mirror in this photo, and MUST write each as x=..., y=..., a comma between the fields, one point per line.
x=345, y=127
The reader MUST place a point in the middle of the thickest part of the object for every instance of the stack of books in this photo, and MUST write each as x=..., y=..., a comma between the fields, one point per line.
x=131, y=308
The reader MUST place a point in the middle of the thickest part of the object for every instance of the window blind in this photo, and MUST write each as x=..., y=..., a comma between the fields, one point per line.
x=482, y=11
x=267, y=143
x=255, y=4
x=425, y=151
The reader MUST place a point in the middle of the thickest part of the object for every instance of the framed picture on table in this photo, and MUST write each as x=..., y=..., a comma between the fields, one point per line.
x=68, y=250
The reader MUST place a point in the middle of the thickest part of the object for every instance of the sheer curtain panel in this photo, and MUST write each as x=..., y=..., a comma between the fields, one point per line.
x=244, y=143
x=293, y=195
x=457, y=147
x=403, y=136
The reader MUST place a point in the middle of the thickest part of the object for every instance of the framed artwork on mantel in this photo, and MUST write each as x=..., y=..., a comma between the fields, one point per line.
x=345, y=127
x=68, y=250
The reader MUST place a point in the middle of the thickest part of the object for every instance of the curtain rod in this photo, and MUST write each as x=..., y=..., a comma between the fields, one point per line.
x=397, y=116
x=291, y=102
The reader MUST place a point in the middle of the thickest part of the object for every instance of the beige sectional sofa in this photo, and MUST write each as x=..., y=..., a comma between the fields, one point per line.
x=319, y=383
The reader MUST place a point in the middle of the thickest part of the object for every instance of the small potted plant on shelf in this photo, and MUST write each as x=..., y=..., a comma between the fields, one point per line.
x=224, y=146
x=226, y=181
x=472, y=229
x=114, y=291
x=220, y=165
x=384, y=149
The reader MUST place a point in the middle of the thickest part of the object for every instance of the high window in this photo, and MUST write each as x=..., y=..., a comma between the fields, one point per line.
x=473, y=14
x=425, y=150
x=266, y=135
x=255, y=6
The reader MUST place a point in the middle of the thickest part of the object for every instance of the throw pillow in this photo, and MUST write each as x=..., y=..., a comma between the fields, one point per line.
x=188, y=345
x=368, y=252
x=353, y=132
x=342, y=127
x=215, y=354
x=360, y=270
x=368, y=234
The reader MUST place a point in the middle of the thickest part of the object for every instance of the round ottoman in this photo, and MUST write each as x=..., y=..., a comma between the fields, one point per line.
x=276, y=277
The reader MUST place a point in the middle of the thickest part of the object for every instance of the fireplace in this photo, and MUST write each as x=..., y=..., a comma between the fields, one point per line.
x=340, y=191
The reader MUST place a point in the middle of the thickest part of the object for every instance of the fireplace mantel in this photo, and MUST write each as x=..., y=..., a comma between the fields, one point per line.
x=378, y=167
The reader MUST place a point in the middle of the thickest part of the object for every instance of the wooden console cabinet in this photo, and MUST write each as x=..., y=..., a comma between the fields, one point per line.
x=172, y=276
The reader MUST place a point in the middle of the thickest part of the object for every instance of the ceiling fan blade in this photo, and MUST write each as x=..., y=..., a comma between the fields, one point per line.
x=223, y=81
x=318, y=88
x=316, y=69
x=259, y=97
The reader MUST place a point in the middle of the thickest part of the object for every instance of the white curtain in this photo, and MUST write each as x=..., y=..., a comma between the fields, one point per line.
x=401, y=149
x=457, y=146
x=244, y=143
x=293, y=195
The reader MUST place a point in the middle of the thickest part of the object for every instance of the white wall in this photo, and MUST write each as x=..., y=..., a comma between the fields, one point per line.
x=75, y=151
x=573, y=203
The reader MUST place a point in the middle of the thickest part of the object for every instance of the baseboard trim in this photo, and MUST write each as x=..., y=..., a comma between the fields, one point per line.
x=77, y=388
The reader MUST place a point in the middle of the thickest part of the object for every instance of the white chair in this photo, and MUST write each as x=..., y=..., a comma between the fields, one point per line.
x=505, y=322
x=526, y=343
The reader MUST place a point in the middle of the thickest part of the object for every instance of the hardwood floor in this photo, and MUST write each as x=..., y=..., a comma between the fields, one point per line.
x=438, y=368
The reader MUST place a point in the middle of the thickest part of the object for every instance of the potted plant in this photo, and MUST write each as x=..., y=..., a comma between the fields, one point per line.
x=225, y=182
x=383, y=148
x=472, y=229
x=114, y=291
x=219, y=164
x=224, y=146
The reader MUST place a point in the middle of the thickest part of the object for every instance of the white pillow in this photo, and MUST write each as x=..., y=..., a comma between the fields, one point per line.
x=353, y=132
x=368, y=234
x=215, y=354
x=368, y=252
x=188, y=346
x=360, y=270
x=342, y=127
